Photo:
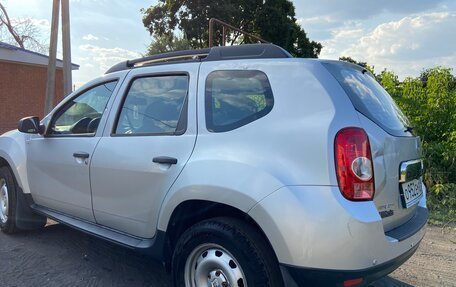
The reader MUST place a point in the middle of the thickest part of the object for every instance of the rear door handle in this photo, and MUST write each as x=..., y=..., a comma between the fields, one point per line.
x=165, y=159
x=83, y=155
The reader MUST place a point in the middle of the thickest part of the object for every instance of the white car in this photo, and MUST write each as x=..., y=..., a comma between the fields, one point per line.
x=235, y=166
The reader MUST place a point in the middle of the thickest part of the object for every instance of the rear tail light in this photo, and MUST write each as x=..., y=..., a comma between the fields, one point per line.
x=353, y=282
x=355, y=174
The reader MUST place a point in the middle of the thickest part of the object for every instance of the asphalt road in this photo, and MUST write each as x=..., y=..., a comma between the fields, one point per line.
x=60, y=256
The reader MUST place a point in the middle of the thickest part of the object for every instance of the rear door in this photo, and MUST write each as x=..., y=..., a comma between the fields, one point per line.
x=396, y=151
x=149, y=138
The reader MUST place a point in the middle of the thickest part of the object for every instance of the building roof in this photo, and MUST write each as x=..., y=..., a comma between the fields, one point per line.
x=12, y=53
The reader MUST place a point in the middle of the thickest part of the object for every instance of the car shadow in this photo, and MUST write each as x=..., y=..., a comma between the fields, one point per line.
x=60, y=256
x=69, y=257
x=389, y=282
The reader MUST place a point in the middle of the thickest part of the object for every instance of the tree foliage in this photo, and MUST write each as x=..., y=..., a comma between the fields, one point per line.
x=167, y=43
x=272, y=20
x=353, y=61
x=22, y=33
x=429, y=101
x=276, y=22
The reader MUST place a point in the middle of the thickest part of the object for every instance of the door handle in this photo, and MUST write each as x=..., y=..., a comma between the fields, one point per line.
x=165, y=159
x=83, y=155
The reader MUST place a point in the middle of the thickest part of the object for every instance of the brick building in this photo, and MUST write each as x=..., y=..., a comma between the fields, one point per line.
x=23, y=76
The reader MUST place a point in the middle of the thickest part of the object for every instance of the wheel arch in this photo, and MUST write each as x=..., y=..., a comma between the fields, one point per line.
x=14, y=155
x=23, y=217
x=4, y=162
x=190, y=212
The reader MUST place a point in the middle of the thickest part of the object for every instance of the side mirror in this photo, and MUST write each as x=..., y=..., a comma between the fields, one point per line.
x=30, y=125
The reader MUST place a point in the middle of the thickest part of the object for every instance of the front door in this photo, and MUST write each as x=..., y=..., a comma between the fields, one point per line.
x=58, y=162
x=151, y=137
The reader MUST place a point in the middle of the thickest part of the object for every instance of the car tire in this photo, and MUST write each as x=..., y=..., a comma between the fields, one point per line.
x=224, y=252
x=7, y=201
x=15, y=211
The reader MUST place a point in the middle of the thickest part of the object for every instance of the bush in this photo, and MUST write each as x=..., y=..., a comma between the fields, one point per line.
x=442, y=203
x=429, y=102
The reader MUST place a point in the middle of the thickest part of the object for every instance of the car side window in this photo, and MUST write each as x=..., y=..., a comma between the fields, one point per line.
x=82, y=114
x=235, y=98
x=154, y=105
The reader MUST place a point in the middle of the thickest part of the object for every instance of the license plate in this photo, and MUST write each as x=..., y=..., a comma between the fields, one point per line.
x=411, y=192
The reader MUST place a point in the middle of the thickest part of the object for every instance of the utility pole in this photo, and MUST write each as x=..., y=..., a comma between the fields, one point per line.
x=66, y=45
x=50, y=84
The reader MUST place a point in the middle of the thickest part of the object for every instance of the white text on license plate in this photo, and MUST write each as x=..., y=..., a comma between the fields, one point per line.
x=412, y=192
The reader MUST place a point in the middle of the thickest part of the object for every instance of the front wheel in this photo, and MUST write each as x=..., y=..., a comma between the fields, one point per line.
x=15, y=213
x=7, y=201
x=224, y=252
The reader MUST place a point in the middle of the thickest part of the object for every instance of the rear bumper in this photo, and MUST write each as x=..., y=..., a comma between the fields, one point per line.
x=314, y=230
x=298, y=276
x=411, y=227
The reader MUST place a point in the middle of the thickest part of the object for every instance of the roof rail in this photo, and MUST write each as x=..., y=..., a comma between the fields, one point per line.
x=246, y=51
x=159, y=58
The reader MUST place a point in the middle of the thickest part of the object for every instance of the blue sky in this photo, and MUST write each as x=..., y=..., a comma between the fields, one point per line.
x=401, y=35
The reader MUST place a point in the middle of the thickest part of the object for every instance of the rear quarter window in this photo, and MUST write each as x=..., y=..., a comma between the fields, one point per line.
x=236, y=98
x=369, y=97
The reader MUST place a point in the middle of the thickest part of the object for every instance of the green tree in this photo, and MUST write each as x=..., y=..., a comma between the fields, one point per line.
x=439, y=104
x=167, y=43
x=362, y=64
x=272, y=20
x=276, y=23
x=390, y=82
x=191, y=17
x=429, y=101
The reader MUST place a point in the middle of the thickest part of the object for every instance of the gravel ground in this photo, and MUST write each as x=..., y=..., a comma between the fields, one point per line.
x=60, y=256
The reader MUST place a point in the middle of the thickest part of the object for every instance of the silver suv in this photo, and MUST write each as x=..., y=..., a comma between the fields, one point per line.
x=235, y=166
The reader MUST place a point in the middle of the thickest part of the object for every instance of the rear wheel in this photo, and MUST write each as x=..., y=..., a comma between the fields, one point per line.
x=7, y=201
x=224, y=252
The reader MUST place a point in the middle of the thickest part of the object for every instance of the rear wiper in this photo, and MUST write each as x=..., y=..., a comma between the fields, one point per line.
x=408, y=129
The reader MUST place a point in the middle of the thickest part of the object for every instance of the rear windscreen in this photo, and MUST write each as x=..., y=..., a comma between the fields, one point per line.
x=369, y=97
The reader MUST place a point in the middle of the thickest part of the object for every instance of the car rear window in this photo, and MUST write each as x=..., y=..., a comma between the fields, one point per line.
x=369, y=97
